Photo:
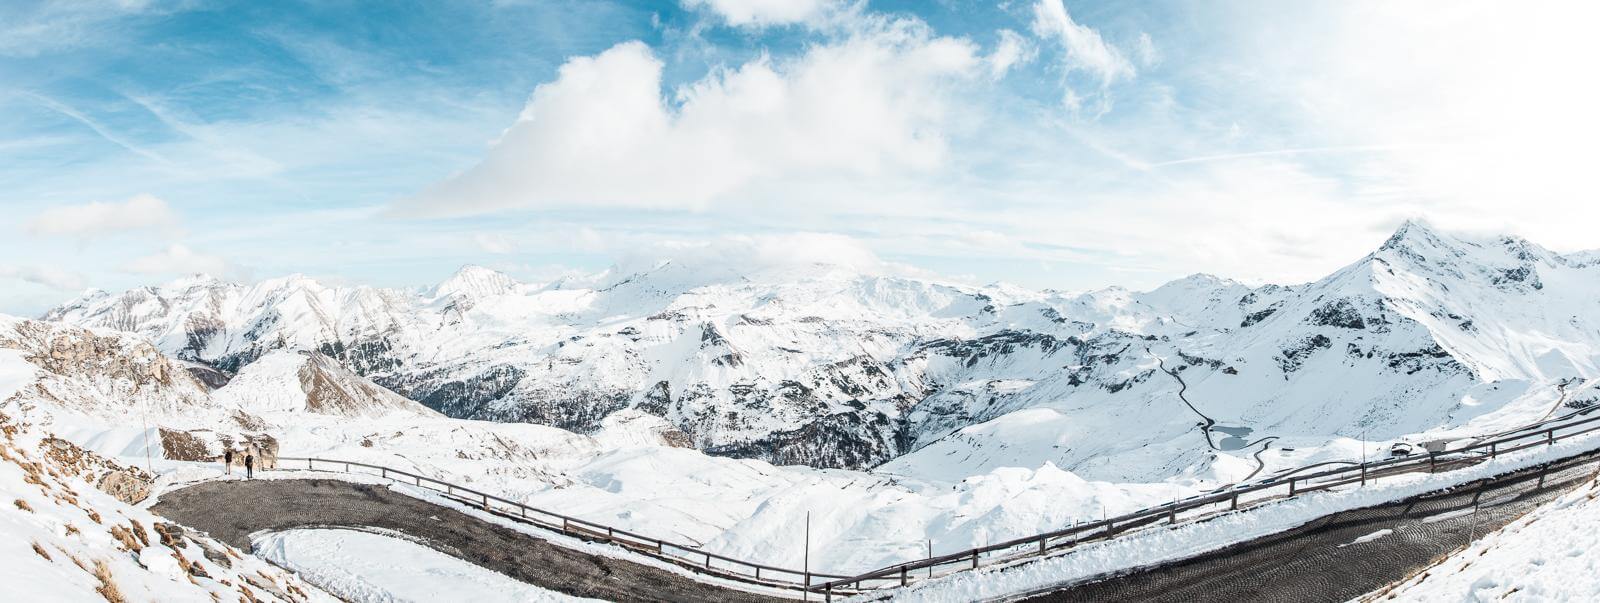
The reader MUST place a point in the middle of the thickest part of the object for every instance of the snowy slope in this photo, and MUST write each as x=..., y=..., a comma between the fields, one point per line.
x=833, y=367
x=308, y=382
x=368, y=567
x=62, y=539
x=1547, y=555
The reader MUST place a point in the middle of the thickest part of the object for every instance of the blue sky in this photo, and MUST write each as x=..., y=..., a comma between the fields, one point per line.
x=1051, y=144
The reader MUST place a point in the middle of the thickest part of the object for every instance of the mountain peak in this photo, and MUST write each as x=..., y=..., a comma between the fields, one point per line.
x=475, y=281
x=198, y=279
x=1413, y=230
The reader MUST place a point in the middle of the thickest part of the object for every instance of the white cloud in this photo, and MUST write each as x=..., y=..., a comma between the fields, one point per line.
x=874, y=103
x=51, y=277
x=1012, y=50
x=141, y=212
x=728, y=257
x=180, y=259
x=764, y=13
x=1146, y=50
x=1083, y=50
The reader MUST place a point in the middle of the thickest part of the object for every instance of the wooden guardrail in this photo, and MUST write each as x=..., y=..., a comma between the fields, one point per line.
x=682, y=555
x=1283, y=485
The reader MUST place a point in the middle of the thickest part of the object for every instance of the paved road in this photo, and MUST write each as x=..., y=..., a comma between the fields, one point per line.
x=1321, y=561
x=232, y=510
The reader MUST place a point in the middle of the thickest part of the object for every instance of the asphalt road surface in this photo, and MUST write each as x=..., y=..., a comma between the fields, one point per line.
x=1342, y=556
x=232, y=510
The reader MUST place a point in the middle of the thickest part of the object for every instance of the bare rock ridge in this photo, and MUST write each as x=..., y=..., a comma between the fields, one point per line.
x=837, y=368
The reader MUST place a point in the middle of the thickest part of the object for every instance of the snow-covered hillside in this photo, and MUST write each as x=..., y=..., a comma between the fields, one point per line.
x=64, y=539
x=831, y=367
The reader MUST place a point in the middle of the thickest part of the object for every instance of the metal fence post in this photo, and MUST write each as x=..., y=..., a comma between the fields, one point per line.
x=1235, y=505
x=1550, y=436
x=974, y=560
x=1291, y=481
x=1492, y=451
x=903, y=580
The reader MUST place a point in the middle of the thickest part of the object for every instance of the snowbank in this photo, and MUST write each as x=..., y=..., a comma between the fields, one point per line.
x=373, y=567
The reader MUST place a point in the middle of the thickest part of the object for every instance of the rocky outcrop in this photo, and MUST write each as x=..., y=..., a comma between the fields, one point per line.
x=206, y=446
x=128, y=484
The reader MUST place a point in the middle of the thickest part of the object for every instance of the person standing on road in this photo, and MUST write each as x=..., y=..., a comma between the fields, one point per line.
x=227, y=462
x=249, y=466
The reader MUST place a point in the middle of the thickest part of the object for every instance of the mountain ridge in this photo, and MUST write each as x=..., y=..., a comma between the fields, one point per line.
x=834, y=367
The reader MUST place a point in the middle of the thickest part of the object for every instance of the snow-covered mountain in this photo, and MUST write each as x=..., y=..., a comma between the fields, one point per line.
x=833, y=367
x=290, y=381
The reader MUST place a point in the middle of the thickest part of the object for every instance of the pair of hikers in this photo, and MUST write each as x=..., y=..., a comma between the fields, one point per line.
x=249, y=463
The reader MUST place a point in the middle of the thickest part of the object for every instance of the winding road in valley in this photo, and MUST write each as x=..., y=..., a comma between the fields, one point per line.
x=233, y=510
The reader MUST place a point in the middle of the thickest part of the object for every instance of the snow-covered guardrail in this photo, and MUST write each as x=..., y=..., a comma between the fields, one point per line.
x=682, y=555
x=1283, y=485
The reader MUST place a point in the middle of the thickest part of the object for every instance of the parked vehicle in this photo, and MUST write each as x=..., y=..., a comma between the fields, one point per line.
x=1400, y=449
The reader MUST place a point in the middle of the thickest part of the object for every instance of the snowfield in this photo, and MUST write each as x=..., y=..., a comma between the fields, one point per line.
x=719, y=408
x=370, y=567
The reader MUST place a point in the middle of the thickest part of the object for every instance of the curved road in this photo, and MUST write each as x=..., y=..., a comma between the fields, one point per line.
x=232, y=510
x=1323, y=560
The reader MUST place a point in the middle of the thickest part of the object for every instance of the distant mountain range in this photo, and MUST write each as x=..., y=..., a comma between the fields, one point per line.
x=831, y=367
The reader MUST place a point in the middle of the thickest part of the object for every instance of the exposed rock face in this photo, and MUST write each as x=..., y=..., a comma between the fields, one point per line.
x=203, y=445
x=127, y=484
x=99, y=373
x=834, y=368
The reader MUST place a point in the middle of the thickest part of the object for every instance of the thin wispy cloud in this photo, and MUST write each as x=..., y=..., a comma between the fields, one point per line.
x=1053, y=143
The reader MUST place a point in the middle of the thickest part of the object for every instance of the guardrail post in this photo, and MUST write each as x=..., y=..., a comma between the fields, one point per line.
x=903, y=580
x=486, y=502
x=383, y=472
x=1291, y=480
x=1363, y=474
x=1433, y=462
x=1235, y=505
x=1492, y=451
x=827, y=592
x=347, y=467
x=974, y=560
x=1042, y=542
x=1550, y=436
x=758, y=572
x=308, y=464
x=1172, y=514
x=708, y=560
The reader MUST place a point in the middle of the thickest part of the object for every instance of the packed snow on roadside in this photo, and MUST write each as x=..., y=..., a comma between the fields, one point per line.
x=1548, y=555
x=370, y=567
